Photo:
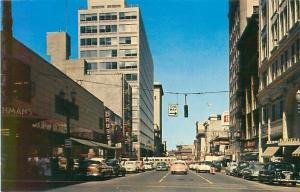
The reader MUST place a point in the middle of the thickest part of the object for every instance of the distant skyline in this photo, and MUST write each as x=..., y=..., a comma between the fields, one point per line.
x=188, y=40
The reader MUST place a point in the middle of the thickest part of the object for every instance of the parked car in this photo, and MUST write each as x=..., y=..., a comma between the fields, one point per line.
x=203, y=167
x=238, y=170
x=217, y=165
x=252, y=171
x=148, y=166
x=279, y=172
x=118, y=170
x=161, y=166
x=131, y=166
x=179, y=167
x=93, y=168
x=230, y=168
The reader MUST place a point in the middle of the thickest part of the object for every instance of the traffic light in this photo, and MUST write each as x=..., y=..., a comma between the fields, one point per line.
x=186, y=111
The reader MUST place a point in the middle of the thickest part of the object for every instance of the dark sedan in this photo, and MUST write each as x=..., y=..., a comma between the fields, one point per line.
x=238, y=170
x=118, y=170
x=279, y=172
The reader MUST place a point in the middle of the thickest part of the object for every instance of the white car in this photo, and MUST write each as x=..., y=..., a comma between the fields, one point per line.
x=131, y=166
x=192, y=166
x=148, y=166
x=202, y=167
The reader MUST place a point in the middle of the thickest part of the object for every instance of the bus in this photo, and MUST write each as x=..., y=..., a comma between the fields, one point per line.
x=155, y=160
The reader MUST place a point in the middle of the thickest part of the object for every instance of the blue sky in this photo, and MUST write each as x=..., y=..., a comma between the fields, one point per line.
x=188, y=40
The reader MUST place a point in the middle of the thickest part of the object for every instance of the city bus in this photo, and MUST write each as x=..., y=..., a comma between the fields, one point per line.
x=155, y=160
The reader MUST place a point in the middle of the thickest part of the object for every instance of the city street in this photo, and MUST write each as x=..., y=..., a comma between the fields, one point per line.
x=164, y=181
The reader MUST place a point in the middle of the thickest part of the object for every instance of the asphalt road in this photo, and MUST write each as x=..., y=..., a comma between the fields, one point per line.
x=155, y=181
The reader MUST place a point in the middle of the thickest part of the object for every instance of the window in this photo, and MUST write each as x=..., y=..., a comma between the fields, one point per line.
x=128, y=52
x=108, y=53
x=88, y=41
x=127, y=28
x=131, y=77
x=108, y=65
x=107, y=28
x=128, y=64
x=128, y=40
x=88, y=29
x=277, y=110
x=298, y=9
x=128, y=15
x=286, y=57
x=264, y=48
x=91, y=66
x=101, y=123
x=88, y=53
x=108, y=16
x=88, y=17
x=108, y=41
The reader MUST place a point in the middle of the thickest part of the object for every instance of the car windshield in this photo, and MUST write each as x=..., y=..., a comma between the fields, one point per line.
x=161, y=163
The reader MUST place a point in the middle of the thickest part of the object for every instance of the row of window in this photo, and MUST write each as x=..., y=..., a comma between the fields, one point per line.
x=108, y=16
x=284, y=61
x=273, y=111
x=111, y=65
x=109, y=28
x=108, y=53
x=108, y=41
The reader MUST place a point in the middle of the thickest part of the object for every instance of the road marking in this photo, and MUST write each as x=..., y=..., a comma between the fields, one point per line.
x=162, y=179
x=208, y=181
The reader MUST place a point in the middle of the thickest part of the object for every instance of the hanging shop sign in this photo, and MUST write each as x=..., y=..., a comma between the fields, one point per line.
x=108, y=125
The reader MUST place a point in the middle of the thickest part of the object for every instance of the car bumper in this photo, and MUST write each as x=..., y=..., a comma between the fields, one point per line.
x=287, y=180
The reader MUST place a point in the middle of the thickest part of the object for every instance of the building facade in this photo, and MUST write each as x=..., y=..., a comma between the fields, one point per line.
x=111, y=88
x=248, y=75
x=212, y=138
x=44, y=105
x=112, y=38
x=158, y=144
x=279, y=80
x=239, y=11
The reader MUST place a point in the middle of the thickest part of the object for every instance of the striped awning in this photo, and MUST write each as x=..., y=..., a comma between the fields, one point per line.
x=92, y=143
x=270, y=152
x=296, y=152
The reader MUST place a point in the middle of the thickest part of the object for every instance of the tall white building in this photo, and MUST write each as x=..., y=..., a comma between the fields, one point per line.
x=112, y=38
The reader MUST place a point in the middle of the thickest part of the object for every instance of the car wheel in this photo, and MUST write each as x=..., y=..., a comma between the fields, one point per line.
x=294, y=183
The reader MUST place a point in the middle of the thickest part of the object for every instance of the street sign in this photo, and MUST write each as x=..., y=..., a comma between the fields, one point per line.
x=68, y=143
x=173, y=110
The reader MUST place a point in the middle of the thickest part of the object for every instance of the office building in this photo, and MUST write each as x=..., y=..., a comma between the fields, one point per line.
x=112, y=39
x=239, y=11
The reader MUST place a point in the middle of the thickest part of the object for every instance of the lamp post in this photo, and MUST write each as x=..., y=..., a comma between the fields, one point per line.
x=70, y=110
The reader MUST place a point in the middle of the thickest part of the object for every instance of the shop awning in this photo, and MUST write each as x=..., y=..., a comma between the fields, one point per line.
x=102, y=145
x=92, y=143
x=270, y=152
x=84, y=142
x=296, y=152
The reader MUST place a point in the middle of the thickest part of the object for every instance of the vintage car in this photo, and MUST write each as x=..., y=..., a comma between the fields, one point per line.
x=161, y=166
x=203, y=167
x=279, y=172
x=179, y=167
x=94, y=168
x=230, y=168
x=131, y=166
x=118, y=170
x=252, y=171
